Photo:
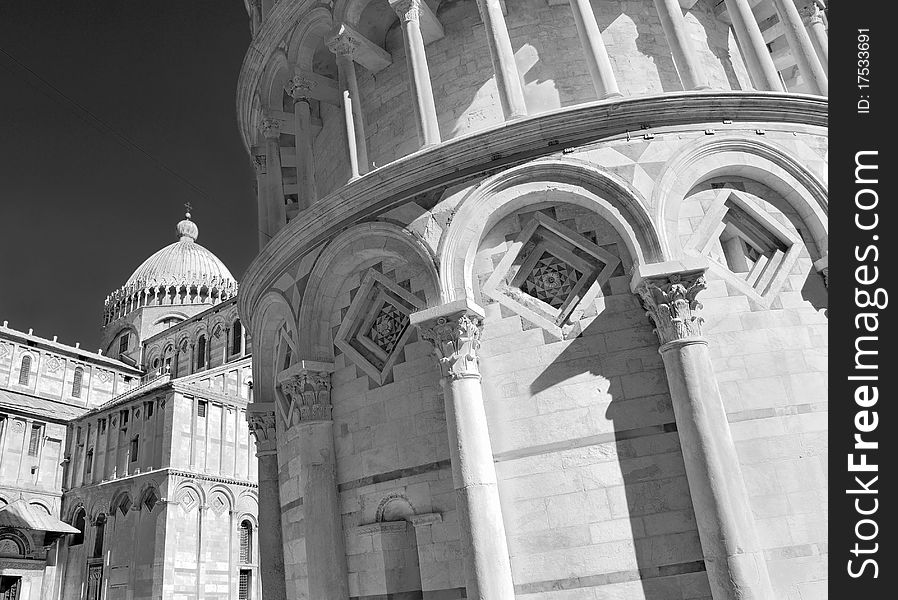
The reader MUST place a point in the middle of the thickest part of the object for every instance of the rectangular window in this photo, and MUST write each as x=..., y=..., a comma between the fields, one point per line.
x=124, y=417
x=102, y=425
x=201, y=409
x=123, y=344
x=149, y=409
x=134, y=449
x=34, y=444
x=245, y=587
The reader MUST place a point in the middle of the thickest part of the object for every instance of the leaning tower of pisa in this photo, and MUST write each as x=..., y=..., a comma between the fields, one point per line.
x=539, y=310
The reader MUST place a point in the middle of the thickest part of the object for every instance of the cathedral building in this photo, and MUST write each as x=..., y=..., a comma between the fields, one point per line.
x=130, y=473
x=539, y=310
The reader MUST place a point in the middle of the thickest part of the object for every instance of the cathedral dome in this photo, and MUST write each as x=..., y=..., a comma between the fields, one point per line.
x=183, y=262
x=181, y=273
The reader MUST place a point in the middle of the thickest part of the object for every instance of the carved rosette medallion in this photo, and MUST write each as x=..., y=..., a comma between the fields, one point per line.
x=309, y=397
x=671, y=304
x=455, y=340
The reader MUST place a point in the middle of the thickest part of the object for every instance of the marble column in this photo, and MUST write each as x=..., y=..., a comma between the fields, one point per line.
x=802, y=48
x=299, y=88
x=262, y=424
x=754, y=50
x=685, y=58
x=596, y=55
x=344, y=47
x=271, y=190
x=816, y=27
x=508, y=81
x=409, y=12
x=308, y=390
x=454, y=330
x=733, y=556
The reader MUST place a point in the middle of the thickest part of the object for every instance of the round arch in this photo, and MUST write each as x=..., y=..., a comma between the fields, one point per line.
x=360, y=244
x=273, y=312
x=580, y=183
x=754, y=159
x=308, y=36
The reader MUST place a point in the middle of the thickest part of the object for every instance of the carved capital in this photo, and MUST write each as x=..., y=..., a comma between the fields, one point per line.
x=260, y=162
x=308, y=395
x=299, y=87
x=262, y=425
x=456, y=340
x=343, y=44
x=270, y=128
x=407, y=10
x=812, y=14
x=670, y=302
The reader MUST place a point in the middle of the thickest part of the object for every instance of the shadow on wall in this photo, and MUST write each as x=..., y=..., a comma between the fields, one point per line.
x=651, y=490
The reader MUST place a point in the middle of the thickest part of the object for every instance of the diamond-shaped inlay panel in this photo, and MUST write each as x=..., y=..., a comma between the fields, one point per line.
x=376, y=325
x=549, y=272
x=745, y=246
x=551, y=280
x=388, y=326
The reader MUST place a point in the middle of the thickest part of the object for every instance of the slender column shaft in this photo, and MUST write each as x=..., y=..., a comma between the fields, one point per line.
x=310, y=410
x=692, y=75
x=757, y=58
x=802, y=49
x=596, y=55
x=814, y=23
x=409, y=12
x=352, y=86
x=344, y=65
x=735, y=563
x=454, y=330
x=508, y=81
x=299, y=88
x=271, y=544
x=272, y=188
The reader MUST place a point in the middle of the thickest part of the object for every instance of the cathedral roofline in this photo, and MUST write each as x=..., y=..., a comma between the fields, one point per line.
x=72, y=351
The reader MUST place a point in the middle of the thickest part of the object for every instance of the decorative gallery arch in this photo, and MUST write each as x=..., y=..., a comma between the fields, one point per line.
x=761, y=161
x=273, y=315
x=350, y=251
x=573, y=181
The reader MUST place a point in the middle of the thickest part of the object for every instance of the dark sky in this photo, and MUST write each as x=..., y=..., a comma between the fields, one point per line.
x=79, y=211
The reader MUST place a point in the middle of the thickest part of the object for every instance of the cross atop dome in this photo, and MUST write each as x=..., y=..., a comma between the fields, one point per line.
x=187, y=229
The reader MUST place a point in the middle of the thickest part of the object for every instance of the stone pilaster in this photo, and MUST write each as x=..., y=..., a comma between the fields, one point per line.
x=262, y=424
x=307, y=387
x=409, y=12
x=454, y=329
x=733, y=557
x=272, y=213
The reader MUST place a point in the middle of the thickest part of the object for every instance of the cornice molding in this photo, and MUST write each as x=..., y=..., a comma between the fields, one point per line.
x=502, y=147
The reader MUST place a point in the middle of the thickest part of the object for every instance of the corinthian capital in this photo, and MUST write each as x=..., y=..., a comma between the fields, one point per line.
x=307, y=389
x=343, y=43
x=260, y=417
x=671, y=305
x=407, y=10
x=454, y=329
x=270, y=127
x=812, y=13
x=299, y=87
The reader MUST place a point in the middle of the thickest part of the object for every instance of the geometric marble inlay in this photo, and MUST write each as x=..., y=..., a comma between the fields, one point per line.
x=549, y=272
x=376, y=325
x=745, y=246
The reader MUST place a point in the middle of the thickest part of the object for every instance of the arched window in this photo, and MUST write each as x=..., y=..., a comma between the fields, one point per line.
x=25, y=371
x=76, y=382
x=78, y=523
x=236, y=334
x=100, y=534
x=201, y=352
x=246, y=542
